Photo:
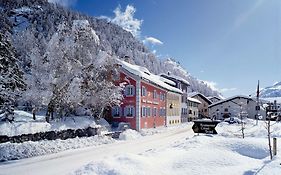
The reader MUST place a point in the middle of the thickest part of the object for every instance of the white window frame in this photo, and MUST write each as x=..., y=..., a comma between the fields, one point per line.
x=130, y=89
x=143, y=91
x=117, y=110
x=129, y=110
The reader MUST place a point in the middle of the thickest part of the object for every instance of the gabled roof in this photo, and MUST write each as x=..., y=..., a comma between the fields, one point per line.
x=182, y=80
x=211, y=97
x=229, y=99
x=193, y=94
x=193, y=100
x=144, y=73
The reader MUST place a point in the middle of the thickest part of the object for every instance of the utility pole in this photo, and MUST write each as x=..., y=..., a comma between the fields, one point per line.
x=258, y=103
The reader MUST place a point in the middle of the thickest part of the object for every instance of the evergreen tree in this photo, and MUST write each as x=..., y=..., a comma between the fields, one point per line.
x=11, y=78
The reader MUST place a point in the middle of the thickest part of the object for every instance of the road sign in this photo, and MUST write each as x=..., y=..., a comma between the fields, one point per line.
x=205, y=126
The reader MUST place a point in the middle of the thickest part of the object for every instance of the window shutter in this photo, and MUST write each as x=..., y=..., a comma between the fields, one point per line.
x=133, y=89
x=133, y=108
x=126, y=90
x=120, y=111
x=113, y=111
x=125, y=111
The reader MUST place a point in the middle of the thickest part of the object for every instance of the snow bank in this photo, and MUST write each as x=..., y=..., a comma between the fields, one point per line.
x=24, y=124
x=129, y=134
x=14, y=151
x=152, y=131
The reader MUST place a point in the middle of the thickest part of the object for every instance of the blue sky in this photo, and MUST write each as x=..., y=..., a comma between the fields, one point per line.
x=230, y=43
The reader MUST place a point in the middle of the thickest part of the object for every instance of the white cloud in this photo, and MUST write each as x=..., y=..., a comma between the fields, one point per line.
x=65, y=3
x=152, y=40
x=213, y=85
x=227, y=89
x=127, y=21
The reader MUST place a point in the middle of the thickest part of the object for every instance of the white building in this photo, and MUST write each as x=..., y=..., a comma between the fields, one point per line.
x=192, y=108
x=233, y=106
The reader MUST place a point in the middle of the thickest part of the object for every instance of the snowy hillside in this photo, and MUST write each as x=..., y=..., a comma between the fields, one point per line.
x=34, y=23
x=272, y=91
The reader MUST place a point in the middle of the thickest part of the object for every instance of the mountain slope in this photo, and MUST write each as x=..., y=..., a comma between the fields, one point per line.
x=33, y=23
x=272, y=91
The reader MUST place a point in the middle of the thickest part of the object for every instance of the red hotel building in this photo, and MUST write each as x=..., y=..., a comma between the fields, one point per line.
x=144, y=103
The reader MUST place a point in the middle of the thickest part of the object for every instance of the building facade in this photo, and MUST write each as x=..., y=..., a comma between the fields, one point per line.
x=203, y=111
x=183, y=85
x=234, y=107
x=145, y=98
x=193, y=111
x=173, y=106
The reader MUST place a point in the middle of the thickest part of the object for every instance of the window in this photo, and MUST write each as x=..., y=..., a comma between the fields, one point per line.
x=154, y=112
x=143, y=91
x=190, y=111
x=154, y=94
x=129, y=90
x=161, y=96
x=143, y=111
x=148, y=111
x=225, y=110
x=129, y=111
x=116, y=111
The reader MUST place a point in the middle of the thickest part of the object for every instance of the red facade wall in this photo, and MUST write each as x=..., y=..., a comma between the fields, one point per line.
x=127, y=101
x=149, y=101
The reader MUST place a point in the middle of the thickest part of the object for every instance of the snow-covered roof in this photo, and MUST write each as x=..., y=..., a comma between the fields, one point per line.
x=177, y=78
x=192, y=94
x=144, y=73
x=167, y=81
x=211, y=97
x=229, y=99
x=193, y=100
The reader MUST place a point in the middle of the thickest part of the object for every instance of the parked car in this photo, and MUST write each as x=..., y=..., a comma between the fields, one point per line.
x=232, y=120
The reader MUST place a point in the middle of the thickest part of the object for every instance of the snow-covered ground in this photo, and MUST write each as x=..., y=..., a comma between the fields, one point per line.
x=175, y=150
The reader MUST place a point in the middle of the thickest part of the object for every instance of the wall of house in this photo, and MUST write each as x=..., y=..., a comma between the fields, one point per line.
x=173, y=106
x=127, y=101
x=203, y=107
x=192, y=110
x=184, y=108
x=232, y=109
x=151, y=100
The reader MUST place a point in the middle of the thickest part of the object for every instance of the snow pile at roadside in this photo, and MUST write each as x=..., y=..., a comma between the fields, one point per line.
x=24, y=124
x=211, y=155
x=129, y=134
x=14, y=151
x=152, y=131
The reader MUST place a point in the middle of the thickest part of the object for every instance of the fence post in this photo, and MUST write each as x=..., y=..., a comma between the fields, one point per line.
x=274, y=146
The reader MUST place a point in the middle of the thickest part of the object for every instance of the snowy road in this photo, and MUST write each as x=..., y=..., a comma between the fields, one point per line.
x=68, y=161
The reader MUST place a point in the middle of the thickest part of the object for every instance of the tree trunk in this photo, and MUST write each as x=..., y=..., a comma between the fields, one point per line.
x=33, y=113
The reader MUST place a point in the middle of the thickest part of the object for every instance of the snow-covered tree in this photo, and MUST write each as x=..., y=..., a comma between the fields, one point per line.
x=11, y=79
x=98, y=87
